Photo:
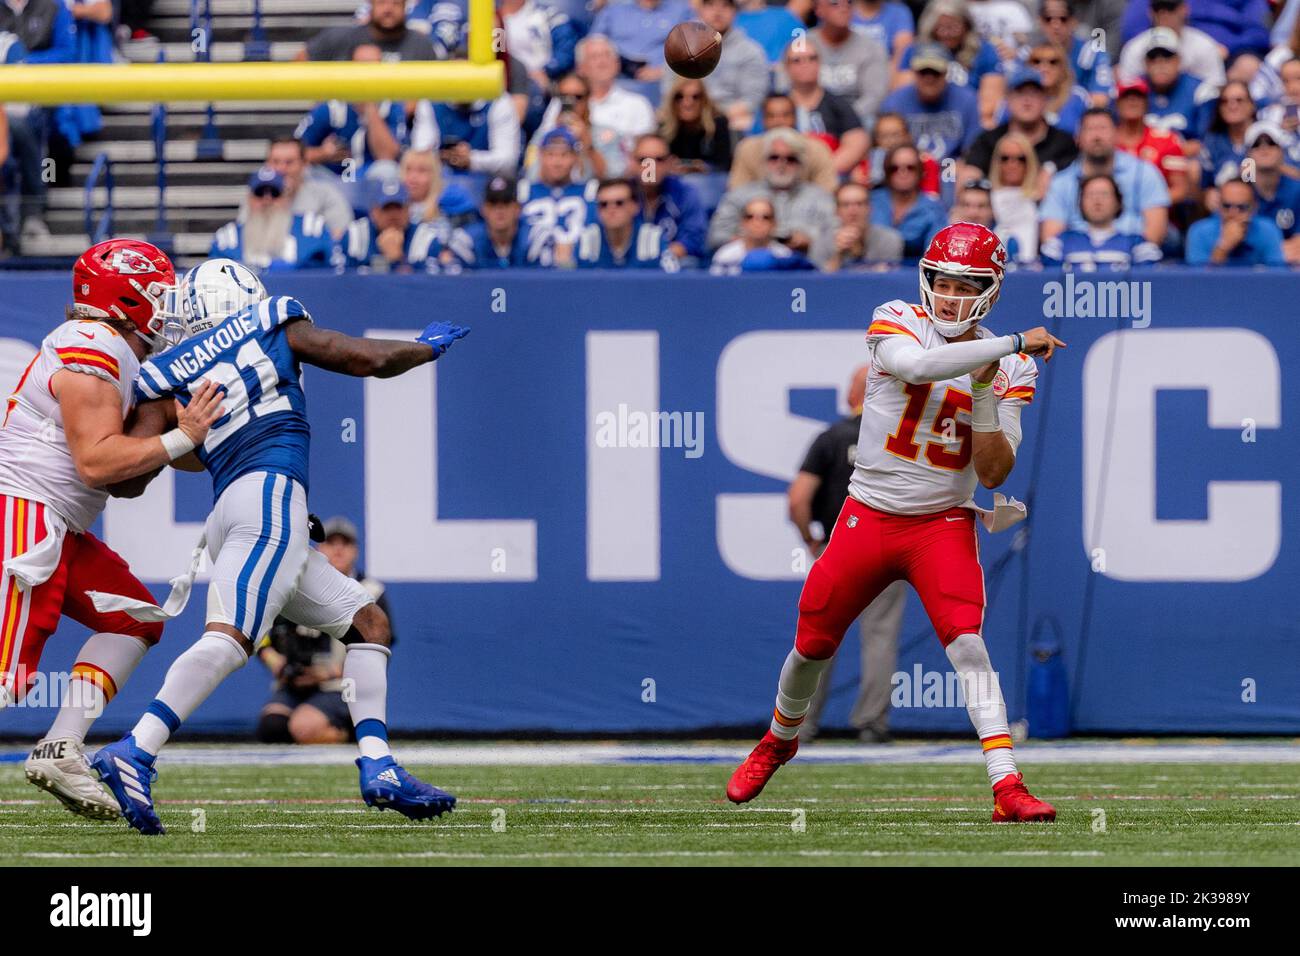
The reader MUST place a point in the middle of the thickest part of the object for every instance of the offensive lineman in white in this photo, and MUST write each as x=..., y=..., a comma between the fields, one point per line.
x=909, y=514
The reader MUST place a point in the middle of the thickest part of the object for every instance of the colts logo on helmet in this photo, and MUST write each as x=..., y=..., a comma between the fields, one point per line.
x=129, y=262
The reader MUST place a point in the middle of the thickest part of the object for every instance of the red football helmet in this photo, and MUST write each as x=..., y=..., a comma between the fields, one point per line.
x=972, y=253
x=124, y=279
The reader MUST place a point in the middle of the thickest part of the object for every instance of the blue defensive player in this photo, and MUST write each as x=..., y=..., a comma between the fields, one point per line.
x=257, y=534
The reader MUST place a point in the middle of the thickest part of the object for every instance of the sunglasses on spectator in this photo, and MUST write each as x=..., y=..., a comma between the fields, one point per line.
x=1054, y=19
x=1235, y=206
x=903, y=168
x=927, y=71
x=805, y=58
x=765, y=216
x=1264, y=140
x=615, y=203
x=783, y=158
x=680, y=96
x=1045, y=61
x=1011, y=157
x=983, y=185
x=1234, y=99
x=261, y=192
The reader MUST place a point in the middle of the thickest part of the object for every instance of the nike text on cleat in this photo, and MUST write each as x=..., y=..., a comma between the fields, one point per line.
x=59, y=767
x=128, y=772
x=386, y=785
x=764, y=760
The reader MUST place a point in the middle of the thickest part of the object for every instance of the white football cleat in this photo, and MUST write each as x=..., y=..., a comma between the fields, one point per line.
x=60, y=767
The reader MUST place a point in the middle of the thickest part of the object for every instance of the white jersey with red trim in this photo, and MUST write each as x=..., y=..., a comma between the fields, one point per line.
x=914, y=446
x=35, y=462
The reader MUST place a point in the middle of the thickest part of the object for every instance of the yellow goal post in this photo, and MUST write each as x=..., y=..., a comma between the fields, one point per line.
x=481, y=76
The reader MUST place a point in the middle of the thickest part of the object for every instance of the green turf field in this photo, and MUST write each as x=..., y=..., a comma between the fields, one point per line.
x=675, y=814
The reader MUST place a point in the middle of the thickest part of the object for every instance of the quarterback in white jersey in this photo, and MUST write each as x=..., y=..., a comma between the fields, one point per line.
x=61, y=448
x=942, y=412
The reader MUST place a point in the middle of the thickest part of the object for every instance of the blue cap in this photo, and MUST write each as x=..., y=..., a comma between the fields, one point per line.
x=266, y=178
x=1025, y=76
x=456, y=201
x=561, y=137
x=389, y=192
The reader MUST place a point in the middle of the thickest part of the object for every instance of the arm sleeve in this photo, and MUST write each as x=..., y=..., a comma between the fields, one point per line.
x=906, y=359
x=314, y=127
x=564, y=41
x=1009, y=419
x=502, y=154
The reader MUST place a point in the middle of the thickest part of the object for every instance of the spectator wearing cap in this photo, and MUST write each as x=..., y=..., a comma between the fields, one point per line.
x=741, y=79
x=558, y=201
x=307, y=194
x=1066, y=100
x=638, y=29
x=1277, y=194
x=972, y=62
x=853, y=65
x=1015, y=189
x=749, y=163
x=1234, y=235
x=346, y=138
x=541, y=37
x=900, y=204
x=270, y=236
x=617, y=116
x=1176, y=99
x=943, y=116
x=820, y=113
x=385, y=27
x=1099, y=245
x=859, y=242
x=501, y=240
x=1145, y=196
x=479, y=137
x=307, y=705
x=619, y=238
x=1200, y=55
x=1090, y=61
x=387, y=240
x=1027, y=116
x=805, y=213
x=1159, y=147
x=666, y=200
x=1223, y=146
x=696, y=133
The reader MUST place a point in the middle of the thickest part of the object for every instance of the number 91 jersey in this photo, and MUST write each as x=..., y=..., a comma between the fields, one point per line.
x=914, y=446
x=264, y=427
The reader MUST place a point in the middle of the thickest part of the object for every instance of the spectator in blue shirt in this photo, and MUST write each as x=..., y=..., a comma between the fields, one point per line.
x=1100, y=245
x=1277, y=194
x=666, y=200
x=1234, y=235
x=620, y=239
x=270, y=236
x=1238, y=25
x=1224, y=144
x=900, y=204
x=974, y=61
x=1176, y=98
x=638, y=29
x=501, y=240
x=1066, y=100
x=346, y=138
x=1146, y=197
x=1091, y=62
x=888, y=23
x=943, y=117
x=558, y=201
x=770, y=26
x=387, y=240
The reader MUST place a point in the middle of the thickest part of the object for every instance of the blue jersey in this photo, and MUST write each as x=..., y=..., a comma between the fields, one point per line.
x=1082, y=251
x=339, y=119
x=1284, y=207
x=560, y=210
x=1091, y=66
x=474, y=249
x=647, y=250
x=265, y=425
x=421, y=243
x=893, y=19
x=1176, y=110
x=307, y=246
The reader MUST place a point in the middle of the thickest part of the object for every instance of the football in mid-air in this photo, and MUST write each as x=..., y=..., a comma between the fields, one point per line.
x=692, y=49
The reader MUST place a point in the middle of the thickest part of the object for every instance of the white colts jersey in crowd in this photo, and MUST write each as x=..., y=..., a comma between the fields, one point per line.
x=35, y=462
x=914, y=446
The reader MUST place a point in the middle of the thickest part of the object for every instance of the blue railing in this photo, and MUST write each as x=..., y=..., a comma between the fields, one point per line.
x=99, y=226
x=257, y=47
x=209, y=144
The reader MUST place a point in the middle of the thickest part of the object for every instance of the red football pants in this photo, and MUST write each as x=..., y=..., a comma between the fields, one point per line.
x=28, y=618
x=938, y=554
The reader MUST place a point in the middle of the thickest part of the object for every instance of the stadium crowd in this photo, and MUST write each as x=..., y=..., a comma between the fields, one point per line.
x=833, y=135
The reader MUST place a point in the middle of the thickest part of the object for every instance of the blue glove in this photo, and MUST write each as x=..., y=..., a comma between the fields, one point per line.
x=440, y=335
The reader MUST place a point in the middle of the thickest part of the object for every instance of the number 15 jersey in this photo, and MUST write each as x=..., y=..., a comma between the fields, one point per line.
x=264, y=427
x=914, y=446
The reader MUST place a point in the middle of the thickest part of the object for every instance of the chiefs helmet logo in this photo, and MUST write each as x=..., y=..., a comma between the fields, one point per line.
x=1000, y=254
x=959, y=247
x=129, y=262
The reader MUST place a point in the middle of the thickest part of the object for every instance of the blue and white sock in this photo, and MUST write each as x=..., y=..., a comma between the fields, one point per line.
x=190, y=680
x=365, y=676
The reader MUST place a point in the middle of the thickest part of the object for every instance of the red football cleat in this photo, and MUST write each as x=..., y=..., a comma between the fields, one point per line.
x=1013, y=803
x=752, y=776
